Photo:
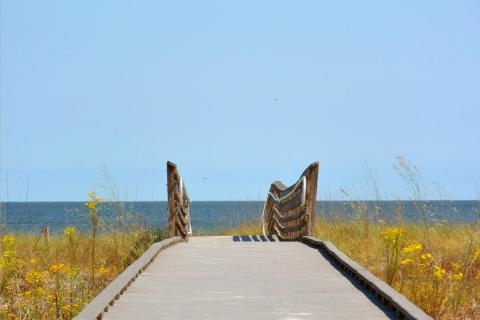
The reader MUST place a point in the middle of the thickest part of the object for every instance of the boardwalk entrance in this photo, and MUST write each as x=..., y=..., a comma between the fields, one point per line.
x=282, y=274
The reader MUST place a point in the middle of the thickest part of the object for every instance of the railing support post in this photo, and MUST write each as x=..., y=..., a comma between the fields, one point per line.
x=171, y=184
x=311, y=197
x=178, y=204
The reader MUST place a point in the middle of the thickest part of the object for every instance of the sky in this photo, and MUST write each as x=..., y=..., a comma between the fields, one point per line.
x=238, y=94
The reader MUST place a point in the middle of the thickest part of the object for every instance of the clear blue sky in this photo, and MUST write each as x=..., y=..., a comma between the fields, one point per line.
x=237, y=94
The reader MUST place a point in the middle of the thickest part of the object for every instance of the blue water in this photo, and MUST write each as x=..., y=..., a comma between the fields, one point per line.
x=215, y=215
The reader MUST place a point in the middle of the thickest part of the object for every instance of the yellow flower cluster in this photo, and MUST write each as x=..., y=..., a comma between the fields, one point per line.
x=458, y=276
x=91, y=204
x=425, y=259
x=426, y=256
x=69, y=231
x=412, y=248
x=438, y=272
x=35, y=277
x=8, y=240
x=103, y=271
x=94, y=201
x=392, y=234
x=60, y=268
x=406, y=261
x=9, y=254
x=63, y=269
x=68, y=308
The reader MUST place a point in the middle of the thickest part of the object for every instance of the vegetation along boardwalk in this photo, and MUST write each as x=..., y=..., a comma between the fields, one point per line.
x=282, y=274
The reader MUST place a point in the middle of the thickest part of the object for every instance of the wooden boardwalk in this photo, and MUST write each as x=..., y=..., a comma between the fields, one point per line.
x=226, y=278
x=249, y=277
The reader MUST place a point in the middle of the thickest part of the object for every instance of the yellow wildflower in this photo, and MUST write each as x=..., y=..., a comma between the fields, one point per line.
x=438, y=272
x=67, y=308
x=69, y=231
x=102, y=271
x=34, y=261
x=412, y=248
x=91, y=204
x=392, y=234
x=57, y=268
x=92, y=194
x=8, y=240
x=458, y=276
x=406, y=261
x=34, y=277
x=426, y=256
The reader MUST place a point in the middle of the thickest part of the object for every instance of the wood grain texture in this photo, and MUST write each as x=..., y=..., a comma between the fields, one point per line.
x=178, y=203
x=284, y=215
x=219, y=278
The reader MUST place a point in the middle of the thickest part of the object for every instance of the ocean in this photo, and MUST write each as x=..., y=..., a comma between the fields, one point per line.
x=207, y=216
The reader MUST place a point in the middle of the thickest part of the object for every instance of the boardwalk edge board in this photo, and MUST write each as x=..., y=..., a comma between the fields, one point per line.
x=404, y=308
x=108, y=296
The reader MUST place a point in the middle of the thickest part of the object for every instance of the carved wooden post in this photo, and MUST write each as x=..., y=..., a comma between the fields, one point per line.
x=311, y=196
x=178, y=204
x=171, y=184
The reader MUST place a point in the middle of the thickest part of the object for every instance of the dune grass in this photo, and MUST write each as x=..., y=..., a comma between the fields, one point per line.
x=437, y=268
x=54, y=277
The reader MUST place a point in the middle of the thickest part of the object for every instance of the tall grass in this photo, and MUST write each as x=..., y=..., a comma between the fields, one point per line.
x=54, y=278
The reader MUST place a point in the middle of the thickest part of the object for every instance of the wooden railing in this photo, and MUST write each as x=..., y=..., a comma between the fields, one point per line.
x=289, y=213
x=178, y=204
